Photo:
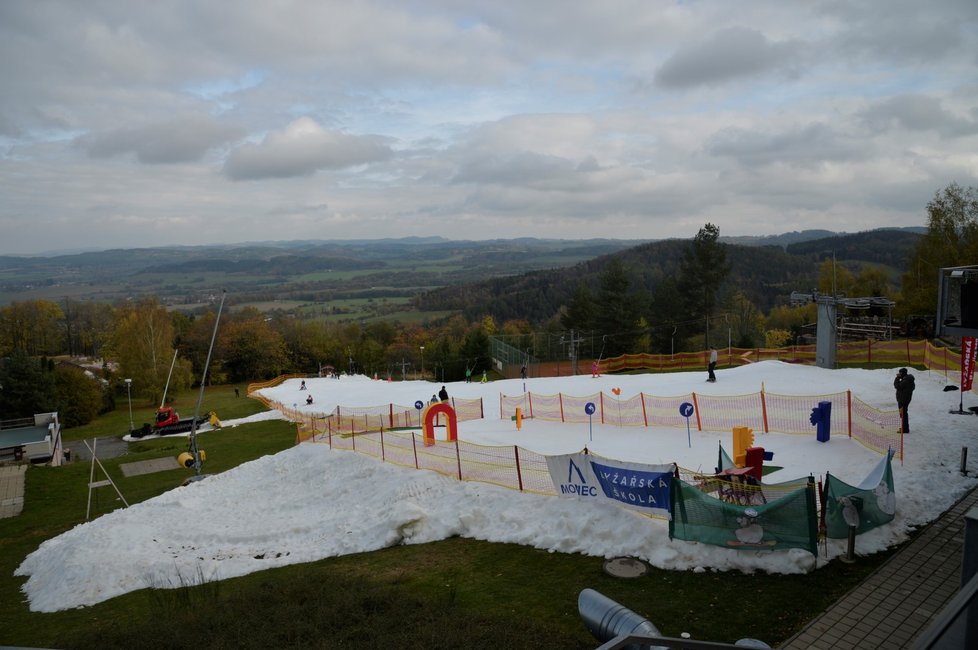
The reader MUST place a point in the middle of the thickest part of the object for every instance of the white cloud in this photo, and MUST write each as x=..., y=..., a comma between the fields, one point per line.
x=631, y=118
x=301, y=149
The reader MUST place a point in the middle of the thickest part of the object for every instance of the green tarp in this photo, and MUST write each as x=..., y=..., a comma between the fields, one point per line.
x=788, y=522
x=870, y=504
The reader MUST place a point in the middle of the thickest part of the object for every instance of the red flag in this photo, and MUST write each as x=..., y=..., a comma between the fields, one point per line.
x=967, y=362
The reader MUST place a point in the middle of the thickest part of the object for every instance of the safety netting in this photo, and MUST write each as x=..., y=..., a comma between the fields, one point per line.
x=870, y=504
x=787, y=522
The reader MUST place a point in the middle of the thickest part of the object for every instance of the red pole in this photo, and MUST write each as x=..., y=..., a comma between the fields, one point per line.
x=696, y=407
x=644, y=415
x=601, y=396
x=560, y=396
x=849, y=409
x=458, y=460
x=519, y=471
x=383, y=456
x=414, y=445
x=764, y=411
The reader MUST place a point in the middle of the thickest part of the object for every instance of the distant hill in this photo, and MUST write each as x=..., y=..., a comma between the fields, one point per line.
x=798, y=237
x=766, y=273
x=525, y=278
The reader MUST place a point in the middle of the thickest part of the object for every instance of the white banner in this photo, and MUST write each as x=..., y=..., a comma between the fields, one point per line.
x=634, y=485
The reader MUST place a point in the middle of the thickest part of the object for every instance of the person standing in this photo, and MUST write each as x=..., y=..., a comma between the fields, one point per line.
x=904, y=384
x=713, y=365
x=443, y=394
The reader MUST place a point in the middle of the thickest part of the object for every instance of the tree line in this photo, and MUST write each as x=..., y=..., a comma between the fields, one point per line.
x=662, y=298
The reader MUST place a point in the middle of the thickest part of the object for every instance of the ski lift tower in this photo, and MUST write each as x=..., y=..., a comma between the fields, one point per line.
x=827, y=325
x=957, y=302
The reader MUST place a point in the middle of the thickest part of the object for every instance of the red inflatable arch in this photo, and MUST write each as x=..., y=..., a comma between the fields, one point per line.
x=429, y=416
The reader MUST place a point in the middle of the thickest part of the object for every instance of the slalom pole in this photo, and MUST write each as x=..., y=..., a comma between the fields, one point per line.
x=200, y=396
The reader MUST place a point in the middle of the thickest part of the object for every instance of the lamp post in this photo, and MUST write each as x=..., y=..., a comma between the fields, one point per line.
x=129, y=395
x=422, y=362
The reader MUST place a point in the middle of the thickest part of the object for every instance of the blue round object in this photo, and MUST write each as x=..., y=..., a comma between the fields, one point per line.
x=685, y=409
x=589, y=408
x=419, y=405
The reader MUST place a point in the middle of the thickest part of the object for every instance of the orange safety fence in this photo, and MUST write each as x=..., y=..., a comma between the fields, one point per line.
x=897, y=352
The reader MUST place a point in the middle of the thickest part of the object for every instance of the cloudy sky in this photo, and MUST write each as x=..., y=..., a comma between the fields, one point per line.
x=129, y=124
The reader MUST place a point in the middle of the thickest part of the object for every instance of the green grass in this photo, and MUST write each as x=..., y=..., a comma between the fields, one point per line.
x=451, y=593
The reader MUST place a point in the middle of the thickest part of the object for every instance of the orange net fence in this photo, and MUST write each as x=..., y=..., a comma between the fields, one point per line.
x=893, y=353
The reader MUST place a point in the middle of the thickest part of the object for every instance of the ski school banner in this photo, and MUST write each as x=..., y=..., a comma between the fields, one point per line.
x=967, y=362
x=641, y=487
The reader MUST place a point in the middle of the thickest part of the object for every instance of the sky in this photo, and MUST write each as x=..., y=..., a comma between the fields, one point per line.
x=184, y=122
x=310, y=502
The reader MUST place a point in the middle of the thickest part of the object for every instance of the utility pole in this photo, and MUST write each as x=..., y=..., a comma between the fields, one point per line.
x=572, y=350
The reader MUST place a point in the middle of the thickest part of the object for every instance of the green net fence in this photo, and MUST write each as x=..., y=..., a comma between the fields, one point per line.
x=870, y=504
x=788, y=522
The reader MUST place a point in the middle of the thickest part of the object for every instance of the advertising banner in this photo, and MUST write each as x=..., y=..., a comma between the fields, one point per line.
x=641, y=487
x=967, y=362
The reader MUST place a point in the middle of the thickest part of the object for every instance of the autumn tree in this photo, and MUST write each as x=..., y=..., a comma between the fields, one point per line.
x=33, y=327
x=951, y=240
x=835, y=279
x=745, y=321
x=88, y=326
x=143, y=345
x=248, y=348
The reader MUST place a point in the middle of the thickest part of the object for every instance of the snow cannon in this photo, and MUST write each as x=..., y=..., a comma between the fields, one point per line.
x=186, y=459
x=821, y=418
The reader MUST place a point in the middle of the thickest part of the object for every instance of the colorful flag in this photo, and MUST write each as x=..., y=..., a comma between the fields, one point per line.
x=967, y=362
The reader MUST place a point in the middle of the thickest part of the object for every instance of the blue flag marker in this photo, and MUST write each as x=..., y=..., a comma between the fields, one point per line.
x=589, y=409
x=686, y=410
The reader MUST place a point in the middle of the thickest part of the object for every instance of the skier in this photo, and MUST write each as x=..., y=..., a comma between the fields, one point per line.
x=713, y=364
x=443, y=394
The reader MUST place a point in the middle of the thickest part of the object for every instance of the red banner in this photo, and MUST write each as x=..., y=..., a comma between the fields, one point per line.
x=967, y=362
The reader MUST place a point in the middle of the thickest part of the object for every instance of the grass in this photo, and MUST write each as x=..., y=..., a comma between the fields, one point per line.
x=452, y=593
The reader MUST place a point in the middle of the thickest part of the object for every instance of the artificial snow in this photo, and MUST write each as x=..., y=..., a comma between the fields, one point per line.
x=309, y=502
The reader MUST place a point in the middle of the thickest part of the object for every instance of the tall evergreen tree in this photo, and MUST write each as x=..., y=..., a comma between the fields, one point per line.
x=616, y=316
x=702, y=271
x=25, y=386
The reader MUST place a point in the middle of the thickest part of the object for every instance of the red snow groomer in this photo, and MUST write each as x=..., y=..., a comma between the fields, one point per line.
x=167, y=421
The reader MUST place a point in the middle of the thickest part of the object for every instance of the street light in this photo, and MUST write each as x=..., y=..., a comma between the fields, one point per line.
x=422, y=362
x=129, y=395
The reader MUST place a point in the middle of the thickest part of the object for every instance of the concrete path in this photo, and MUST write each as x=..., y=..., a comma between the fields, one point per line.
x=902, y=598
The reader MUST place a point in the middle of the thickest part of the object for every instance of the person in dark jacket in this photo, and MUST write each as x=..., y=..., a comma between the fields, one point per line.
x=904, y=385
x=443, y=394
